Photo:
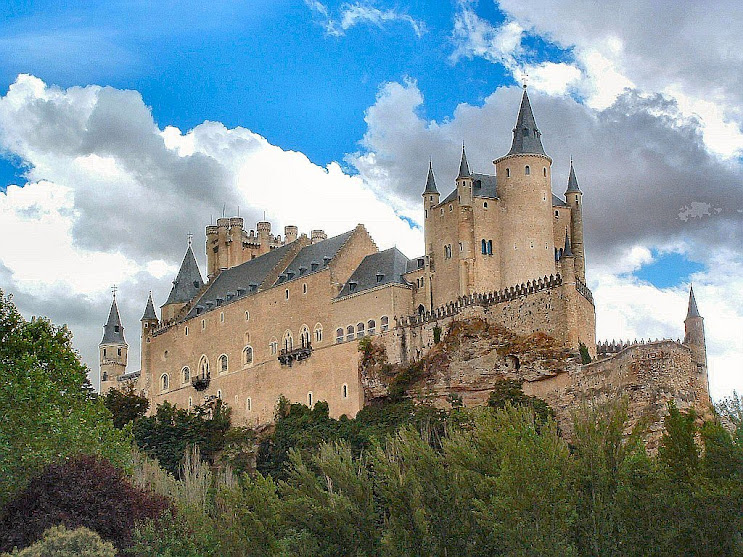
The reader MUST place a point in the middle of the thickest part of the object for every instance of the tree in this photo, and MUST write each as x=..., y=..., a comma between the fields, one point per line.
x=509, y=392
x=125, y=404
x=58, y=541
x=84, y=491
x=677, y=449
x=48, y=407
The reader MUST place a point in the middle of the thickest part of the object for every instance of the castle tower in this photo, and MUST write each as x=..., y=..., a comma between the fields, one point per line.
x=185, y=286
x=149, y=323
x=694, y=339
x=465, y=227
x=431, y=198
x=524, y=178
x=112, y=349
x=574, y=199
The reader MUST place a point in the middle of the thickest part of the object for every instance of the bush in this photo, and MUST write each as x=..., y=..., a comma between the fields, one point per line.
x=85, y=491
x=58, y=541
x=125, y=405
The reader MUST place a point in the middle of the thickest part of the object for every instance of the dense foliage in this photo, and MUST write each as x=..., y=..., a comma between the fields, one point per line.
x=125, y=405
x=48, y=407
x=58, y=541
x=83, y=491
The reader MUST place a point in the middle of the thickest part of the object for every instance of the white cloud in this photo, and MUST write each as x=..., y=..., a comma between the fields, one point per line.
x=358, y=13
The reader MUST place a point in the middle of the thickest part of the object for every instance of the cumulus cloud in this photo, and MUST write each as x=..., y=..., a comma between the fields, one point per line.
x=110, y=197
x=359, y=13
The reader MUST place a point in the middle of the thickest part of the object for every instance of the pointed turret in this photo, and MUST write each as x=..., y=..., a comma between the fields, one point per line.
x=572, y=181
x=526, y=135
x=430, y=181
x=188, y=282
x=464, y=167
x=693, y=310
x=149, y=310
x=567, y=252
x=113, y=330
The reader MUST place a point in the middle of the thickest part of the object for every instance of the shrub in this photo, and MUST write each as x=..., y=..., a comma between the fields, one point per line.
x=85, y=491
x=125, y=405
x=58, y=541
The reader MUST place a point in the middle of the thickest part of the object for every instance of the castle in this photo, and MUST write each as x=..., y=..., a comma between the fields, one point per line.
x=282, y=316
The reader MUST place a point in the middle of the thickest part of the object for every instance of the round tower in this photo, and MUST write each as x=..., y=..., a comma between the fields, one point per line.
x=431, y=198
x=112, y=350
x=291, y=233
x=524, y=176
x=212, y=249
x=574, y=199
x=149, y=323
x=694, y=339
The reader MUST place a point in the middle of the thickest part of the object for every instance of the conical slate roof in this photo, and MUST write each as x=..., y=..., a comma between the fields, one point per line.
x=572, y=180
x=188, y=282
x=693, y=310
x=526, y=136
x=430, y=181
x=464, y=167
x=113, y=330
x=149, y=310
x=567, y=252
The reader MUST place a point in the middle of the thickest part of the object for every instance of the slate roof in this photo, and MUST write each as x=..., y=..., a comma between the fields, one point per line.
x=241, y=280
x=464, y=167
x=149, y=310
x=557, y=202
x=377, y=269
x=113, y=330
x=313, y=258
x=416, y=263
x=693, y=309
x=572, y=180
x=526, y=136
x=188, y=282
x=430, y=181
x=486, y=186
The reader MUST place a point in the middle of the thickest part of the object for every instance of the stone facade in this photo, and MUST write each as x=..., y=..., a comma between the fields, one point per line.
x=284, y=316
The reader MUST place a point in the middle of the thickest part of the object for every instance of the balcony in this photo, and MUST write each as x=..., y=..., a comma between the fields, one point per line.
x=200, y=383
x=288, y=356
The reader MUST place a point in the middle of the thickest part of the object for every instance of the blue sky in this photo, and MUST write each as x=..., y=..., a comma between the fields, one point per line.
x=377, y=87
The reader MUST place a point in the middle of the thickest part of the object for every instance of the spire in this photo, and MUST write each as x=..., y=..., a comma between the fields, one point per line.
x=693, y=311
x=188, y=282
x=430, y=181
x=526, y=136
x=567, y=252
x=464, y=168
x=149, y=310
x=113, y=330
x=572, y=180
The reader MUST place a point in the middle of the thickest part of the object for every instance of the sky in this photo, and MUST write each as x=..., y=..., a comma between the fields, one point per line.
x=126, y=125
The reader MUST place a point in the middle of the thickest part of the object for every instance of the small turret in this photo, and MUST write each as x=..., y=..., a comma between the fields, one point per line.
x=430, y=194
x=112, y=349
x=185, y=286
x=290, y=234
x=149, y=318
x=574, y=199
x=464, y=181
x=694, y=339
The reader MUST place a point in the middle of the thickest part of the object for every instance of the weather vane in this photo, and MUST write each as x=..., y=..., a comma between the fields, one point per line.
x=114, y=288
x=525, y=80
x=190, y=237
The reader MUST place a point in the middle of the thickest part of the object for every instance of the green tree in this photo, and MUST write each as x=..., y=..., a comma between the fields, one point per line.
x=678, y=450
x=48, y=407
x=125, y=404
x=509, y=392
x=58, y=541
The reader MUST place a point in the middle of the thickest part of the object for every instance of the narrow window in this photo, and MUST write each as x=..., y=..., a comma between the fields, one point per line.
x=248, y=405
x=318, y=333
x=461, y=247
x=426, y=213
x=339, y=335
x=545, y=171
x=309, y=399
x=186, y=374
x=370, y=326
x=490, y=247
x=345, y=391
x=190, y=402
x=451, y=207
x=483, y=246
x=485, y=204
x=119, y=351
x=223, y=364
x=164, y=382
x=508, y=172
x=219, y=394
x=304, y=288
x=104, y=352
x=248, y=355
x=557, y=214
x=203, y=324
x=286, y=294
x=186, y=331
x=527, y=170
x=304, y=336
x=288, y=341
x=273, y=346
x=349, y=332
x=385, y=321
x=247, y=316
x=221, y=317
x=203, y=367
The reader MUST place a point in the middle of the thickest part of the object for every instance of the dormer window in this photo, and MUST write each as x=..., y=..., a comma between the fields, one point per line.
x=302, y=270
x=240, y=291
x=326, y=259
x=116, y=328
x=253, y=287
x=290, y=274
x=220, y=301
x=380, y=276
x=314, y=265
x=352, y=285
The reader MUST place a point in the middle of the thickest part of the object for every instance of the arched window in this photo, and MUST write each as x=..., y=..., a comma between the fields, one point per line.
x=339, y=335
x=318, y=333
x=186, y=374
x=288, y=341
x=349, y=332
x=485, y=204
x=527, y=170
x=304, y=336
x=164, y=382
x=490, y=247
x=309, y=399
x=359, y=330
x=203, y=367
x=385, y=323
x=223, y=363
x=370, y=326
x=344, y=391
x=273, y=346
x=483, y=246
x=104, y=377
x=248, y=356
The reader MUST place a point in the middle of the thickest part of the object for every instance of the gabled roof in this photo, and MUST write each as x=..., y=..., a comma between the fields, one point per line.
x=113, y=330
x=526, y=136
x=430, y=181
x=557, y=202
x=314, y=257
x=242, y=280
x=149, y=310
x=188, y=282
x=572, y=180
x=693, y=310
x=377, y=269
